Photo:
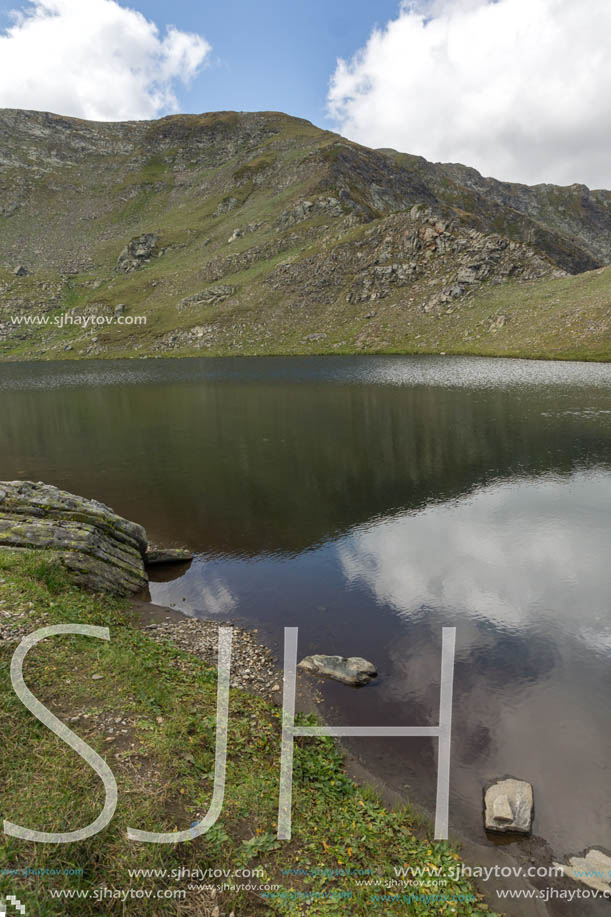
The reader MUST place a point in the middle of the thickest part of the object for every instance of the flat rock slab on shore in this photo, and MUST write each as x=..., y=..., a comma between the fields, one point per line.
x=352, y=670
x=156, y=556
x=103, y=551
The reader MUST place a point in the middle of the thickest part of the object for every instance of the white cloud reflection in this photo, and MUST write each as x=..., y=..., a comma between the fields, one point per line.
x=508, y=554
x=196, y=594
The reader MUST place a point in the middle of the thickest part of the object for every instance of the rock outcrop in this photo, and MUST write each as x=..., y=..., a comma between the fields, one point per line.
x=103, y=551
x=352, y=670
x=211, y=296
x=137, y=253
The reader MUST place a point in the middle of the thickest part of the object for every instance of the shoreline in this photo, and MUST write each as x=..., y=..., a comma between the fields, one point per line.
x=105, y=358
x=149, y=709
x=531, y=851
x=164, y=687
x=161, y=650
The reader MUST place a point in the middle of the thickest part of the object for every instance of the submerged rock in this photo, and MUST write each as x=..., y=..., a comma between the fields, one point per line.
x=103, y=551
x=352, y=670
x=509, y=806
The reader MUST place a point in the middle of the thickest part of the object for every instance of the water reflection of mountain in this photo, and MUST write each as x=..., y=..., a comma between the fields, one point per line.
x=241, y=468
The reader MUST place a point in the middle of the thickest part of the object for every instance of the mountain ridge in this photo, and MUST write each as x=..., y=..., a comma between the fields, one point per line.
x=257, y=232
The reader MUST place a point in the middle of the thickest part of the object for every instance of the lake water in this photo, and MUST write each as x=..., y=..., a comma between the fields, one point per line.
x=372, y=501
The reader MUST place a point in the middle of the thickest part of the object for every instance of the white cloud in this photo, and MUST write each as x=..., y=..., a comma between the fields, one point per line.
x=520, y=89
x=94, y=59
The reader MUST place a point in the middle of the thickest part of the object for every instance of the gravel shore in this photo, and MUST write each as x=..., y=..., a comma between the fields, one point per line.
x=252, y=664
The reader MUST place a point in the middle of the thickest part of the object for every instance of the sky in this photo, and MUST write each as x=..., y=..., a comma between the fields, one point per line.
x=519, y=89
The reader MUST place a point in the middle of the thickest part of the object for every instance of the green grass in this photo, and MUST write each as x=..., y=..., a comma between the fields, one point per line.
x=255, y=166
x=164, y=764
x=155, y=169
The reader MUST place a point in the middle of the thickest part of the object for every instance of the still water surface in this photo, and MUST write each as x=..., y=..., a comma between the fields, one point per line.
x=372, y=501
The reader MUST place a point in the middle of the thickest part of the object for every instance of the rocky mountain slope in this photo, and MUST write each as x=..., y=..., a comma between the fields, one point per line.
x=259, y=233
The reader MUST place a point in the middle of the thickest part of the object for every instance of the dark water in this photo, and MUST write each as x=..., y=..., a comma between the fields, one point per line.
x=371, y=501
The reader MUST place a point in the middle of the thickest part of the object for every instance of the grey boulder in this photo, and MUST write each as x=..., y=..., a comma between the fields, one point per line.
x=352, y=670
x=509, y=806
x=103, y=551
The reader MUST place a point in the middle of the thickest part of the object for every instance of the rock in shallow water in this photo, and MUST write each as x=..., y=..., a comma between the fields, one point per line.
x=509, y=806
x=103, y=551
x=353, y=670
x=155, y=555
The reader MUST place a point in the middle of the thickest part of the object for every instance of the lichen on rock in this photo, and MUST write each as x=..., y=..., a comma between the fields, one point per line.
x=103, y=551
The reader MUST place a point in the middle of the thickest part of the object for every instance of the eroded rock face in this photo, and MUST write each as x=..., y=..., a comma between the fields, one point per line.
x=509, y=806
x=103, y=551
x=353, y=670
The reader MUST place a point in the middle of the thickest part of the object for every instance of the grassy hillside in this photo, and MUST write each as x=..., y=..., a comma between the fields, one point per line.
x=259, y=233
